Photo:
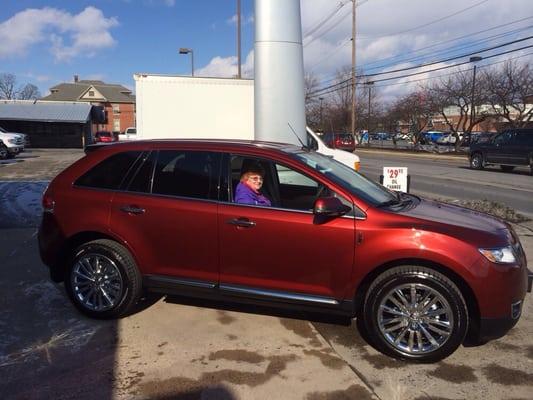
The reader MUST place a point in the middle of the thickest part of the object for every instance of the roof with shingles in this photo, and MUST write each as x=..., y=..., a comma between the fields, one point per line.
x=45, y=111
x=74, y=92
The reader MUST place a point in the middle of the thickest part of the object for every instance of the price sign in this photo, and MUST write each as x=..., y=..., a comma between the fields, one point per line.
x=396, y=178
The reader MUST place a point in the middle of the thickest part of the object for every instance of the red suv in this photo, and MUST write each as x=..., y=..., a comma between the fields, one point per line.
x=160, y=216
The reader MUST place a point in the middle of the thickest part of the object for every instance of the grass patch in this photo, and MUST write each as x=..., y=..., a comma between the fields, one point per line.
x=490, y=207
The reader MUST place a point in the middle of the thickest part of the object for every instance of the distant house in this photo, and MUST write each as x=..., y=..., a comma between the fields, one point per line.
x=51, y=124
x=117, y=101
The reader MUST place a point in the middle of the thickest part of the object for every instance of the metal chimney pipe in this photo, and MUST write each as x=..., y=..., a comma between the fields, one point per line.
x=279, y=91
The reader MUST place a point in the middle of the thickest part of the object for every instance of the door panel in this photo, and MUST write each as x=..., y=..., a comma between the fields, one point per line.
x=173, y=236
x=285, y=250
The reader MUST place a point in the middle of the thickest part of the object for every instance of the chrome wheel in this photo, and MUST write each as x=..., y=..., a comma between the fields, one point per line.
x=96, y=282
x=476, y=161
x=415, y=319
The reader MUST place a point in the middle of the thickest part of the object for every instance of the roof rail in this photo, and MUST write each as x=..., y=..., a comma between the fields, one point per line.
x=93, y=147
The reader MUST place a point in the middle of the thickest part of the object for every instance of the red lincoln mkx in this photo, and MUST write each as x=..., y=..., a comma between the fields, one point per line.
x=159, y=215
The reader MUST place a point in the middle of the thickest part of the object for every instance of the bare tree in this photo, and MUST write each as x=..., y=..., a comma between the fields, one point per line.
x=452, y=100
x=508, y=89
x=8, y=84
x=413, y=110
x=29, y=92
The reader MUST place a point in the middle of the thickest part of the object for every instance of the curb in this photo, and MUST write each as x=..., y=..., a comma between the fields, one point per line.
x=409, y=153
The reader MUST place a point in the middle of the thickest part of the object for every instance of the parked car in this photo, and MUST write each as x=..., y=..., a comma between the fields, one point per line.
x=129, y=134
x=380, y=136
x=4, y=152
x=341, y=141
x=508, y=149
x=13, y=141
x=159, y=215
x=104, y=137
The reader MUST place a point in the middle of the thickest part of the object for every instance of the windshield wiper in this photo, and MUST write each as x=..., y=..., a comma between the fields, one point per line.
x=391, y=202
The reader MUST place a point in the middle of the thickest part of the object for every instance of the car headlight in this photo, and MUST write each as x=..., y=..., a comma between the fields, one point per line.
x=357, y=165
x=503, y=255
x=12, y=141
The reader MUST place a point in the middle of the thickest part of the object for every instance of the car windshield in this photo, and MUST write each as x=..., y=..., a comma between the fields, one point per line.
x=349, y=179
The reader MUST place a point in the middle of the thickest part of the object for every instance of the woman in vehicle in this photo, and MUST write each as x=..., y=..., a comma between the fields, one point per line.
x=248, y=189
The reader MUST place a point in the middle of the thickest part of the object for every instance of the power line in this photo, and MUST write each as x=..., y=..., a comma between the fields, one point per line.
x=335, y=24
x=426, y=64
x=343, y=85
x=326, y=19
x=432, y=22
x=428, y=47
x=453, y=39
x=453, y=73
x=455, y=49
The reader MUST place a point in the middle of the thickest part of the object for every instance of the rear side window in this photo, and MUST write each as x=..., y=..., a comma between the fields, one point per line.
x=191, y=174
x=524, y=139
x=109, y=173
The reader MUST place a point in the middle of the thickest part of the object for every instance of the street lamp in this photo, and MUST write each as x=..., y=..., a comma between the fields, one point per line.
x=474, y=60
x=184, y=50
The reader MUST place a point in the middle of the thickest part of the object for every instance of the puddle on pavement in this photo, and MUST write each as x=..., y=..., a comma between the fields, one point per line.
x=454, y=373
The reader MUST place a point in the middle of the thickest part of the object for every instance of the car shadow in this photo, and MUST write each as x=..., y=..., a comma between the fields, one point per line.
x=260, y=309
x=11, y=161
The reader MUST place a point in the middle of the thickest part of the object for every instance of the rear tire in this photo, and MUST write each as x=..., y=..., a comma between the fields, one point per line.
x=507, y=168
x=476, y=161
x=415, y=313
x=103, y=280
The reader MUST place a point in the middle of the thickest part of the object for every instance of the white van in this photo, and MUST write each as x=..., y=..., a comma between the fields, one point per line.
x=129, y=134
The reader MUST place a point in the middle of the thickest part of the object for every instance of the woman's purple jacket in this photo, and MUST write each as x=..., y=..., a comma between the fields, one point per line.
x=244, y=194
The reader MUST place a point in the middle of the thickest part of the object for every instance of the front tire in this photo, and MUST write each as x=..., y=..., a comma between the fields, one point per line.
x=103, y=280
x=476, y=161
x=415, y=313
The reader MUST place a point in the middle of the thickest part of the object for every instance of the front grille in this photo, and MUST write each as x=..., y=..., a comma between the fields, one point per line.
x=516, y=310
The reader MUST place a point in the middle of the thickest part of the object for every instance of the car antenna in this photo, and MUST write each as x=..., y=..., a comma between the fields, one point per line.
x=298, y=137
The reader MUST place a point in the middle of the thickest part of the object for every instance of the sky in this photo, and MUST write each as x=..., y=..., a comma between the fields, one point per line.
x=46, y=42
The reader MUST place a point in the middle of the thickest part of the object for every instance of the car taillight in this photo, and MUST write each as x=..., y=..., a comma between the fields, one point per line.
x=48, y=204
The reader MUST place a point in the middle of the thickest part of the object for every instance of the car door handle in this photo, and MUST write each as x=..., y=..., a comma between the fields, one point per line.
x=242, y=222
x=132, y=209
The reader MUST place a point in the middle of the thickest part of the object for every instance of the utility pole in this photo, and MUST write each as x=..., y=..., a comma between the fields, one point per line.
x=239, y=39
x=473, y=60
x=353, y=67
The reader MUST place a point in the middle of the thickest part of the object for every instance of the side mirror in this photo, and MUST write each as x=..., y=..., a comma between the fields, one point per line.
x=330, y=207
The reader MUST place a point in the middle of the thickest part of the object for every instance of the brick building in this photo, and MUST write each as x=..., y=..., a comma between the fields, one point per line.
x=117, y=101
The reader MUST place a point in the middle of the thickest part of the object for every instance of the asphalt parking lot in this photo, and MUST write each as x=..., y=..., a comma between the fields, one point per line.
x=178, y=348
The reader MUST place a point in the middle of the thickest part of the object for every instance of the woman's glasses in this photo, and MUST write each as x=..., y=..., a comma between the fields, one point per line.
x=255, y=178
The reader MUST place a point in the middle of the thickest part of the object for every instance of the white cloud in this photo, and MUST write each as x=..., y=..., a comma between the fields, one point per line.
x=245, y=20
x=69, y=35
x=170, y=3
x=226, y=67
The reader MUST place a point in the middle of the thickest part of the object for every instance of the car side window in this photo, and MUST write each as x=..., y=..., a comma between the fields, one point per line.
x=191, y=174
x=109, y=173
x=141, y=180
x=503, y=138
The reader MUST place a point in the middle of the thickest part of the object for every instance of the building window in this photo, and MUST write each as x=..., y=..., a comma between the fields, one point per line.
x=116, y=109
x=116, y=125
x=91, y=93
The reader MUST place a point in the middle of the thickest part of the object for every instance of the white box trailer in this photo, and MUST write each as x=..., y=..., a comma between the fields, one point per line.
x=180, y=107
x=184, y=107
